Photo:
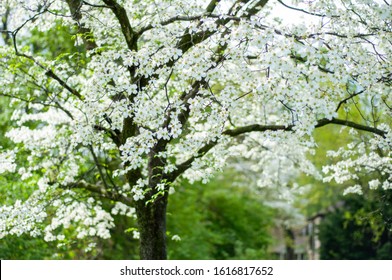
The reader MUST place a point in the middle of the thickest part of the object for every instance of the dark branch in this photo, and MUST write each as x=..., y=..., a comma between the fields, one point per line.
x=4, y=20
x=48, y=72
x=256, y=127
x=100, y=191
x=357, y=126
x=126, y=28
x=320, y=123
x=94, y=5
x=55, y=105
x=304, y=11
x=96, y=161
x=88, y=39
x=182, y=167
x=113, y=134
x=347, y=99
x=51, y=74
x=211, y=6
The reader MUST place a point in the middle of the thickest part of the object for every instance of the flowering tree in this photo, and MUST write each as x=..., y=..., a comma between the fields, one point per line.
x=157, y=90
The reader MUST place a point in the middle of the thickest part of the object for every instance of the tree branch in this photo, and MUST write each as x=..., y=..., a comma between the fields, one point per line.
x=211, y=6
x=113, y=134
x=188, y=40
x=88, y=39
x=51, y=74
x=256, y=7
x=4, y=20
x=303, y=11
x=55, y=105
x=256, y=127
x=347, y=99
x=98, y=166
x=102, y=192
x=48, y=72
x=126, y=28
x=182, y=167
x=357, y=126
x=320, y=123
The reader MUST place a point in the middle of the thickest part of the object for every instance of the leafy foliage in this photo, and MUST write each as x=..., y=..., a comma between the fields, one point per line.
x=218, y=221
x=360, y=229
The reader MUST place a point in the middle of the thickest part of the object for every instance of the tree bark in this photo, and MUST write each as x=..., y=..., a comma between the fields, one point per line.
x=290, y=244
x=152, y=227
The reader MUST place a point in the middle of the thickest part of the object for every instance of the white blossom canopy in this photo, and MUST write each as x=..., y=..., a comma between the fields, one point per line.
x=162, y=89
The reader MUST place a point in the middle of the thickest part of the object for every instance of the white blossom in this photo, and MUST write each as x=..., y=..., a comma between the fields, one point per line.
x=183, y=93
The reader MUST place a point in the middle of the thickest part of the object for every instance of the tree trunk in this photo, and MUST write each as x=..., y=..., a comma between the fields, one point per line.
x=152, y=227
x=290, y=244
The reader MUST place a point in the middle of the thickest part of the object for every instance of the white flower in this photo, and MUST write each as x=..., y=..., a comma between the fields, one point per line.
x=357, y=189
x=374, y=184
x=7, y=162
x=135, y=234
x=176, y=237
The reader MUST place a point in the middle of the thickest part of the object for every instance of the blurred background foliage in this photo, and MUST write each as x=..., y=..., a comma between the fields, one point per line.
x=219, y=221
x=359, y=229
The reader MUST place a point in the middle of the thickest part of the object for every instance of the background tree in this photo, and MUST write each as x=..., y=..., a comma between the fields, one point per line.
x=353, y=226
x=359, y=229
x=155, y=91
x=223, y=219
